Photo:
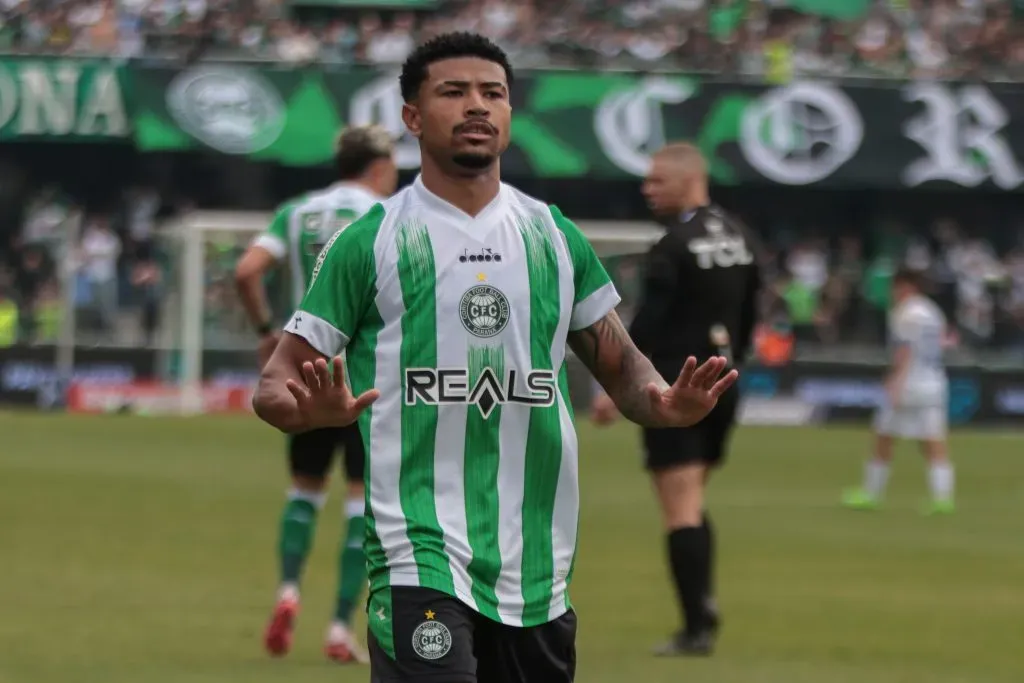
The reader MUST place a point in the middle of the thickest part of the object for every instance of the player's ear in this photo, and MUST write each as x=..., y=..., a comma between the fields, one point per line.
x=412, y=119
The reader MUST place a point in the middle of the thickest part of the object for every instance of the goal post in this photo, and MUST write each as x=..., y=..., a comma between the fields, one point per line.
x=196, y=231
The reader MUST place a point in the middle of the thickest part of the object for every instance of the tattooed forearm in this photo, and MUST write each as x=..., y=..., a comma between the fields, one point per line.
x=610, y=355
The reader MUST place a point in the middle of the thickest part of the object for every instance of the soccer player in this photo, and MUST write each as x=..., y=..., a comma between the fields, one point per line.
x=700, y=296
x=454, y=301
x=916, y=390
x=366, y=174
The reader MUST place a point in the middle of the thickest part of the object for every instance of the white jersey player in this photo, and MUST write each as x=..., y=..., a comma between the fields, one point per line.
x=916, y=397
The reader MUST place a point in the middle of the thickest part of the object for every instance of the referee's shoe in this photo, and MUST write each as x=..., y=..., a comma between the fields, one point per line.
x=700, y=298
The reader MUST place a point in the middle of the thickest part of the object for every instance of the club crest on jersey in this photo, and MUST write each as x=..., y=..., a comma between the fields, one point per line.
x=484, y=311
x=431, y=640
x=453, y=386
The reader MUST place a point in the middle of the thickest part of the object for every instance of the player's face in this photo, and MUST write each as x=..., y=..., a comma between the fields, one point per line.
x=462, y=116
x=665, y=187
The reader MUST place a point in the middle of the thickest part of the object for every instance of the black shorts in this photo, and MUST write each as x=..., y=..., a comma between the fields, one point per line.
x=705, y=442
x=419, y=634
x=312, y=453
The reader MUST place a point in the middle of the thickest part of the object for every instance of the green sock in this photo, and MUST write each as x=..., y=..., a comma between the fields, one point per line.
x=351, y=565
x=298, y=521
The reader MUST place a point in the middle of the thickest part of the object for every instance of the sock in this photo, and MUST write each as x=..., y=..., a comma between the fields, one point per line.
x=351, y=563
x=940, y=481
x=710, y=604
x=298, y=521
x=876, y=475
x=688, y=562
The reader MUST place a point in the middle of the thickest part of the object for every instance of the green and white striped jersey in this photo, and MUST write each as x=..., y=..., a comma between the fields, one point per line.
x=302, y=226
x=460, y=322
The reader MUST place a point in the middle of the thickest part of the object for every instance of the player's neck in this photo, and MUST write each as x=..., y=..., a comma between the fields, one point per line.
x=469, y=194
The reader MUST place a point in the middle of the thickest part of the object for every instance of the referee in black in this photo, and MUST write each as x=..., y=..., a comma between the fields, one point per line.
x=700, y=298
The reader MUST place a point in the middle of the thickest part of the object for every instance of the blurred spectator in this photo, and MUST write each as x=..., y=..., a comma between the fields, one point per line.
x=772, y=38
x=100, y=250
x=146, y=279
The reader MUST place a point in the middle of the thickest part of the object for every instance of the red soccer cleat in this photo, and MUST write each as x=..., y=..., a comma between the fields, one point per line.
x=278, y=638
x=343, y=647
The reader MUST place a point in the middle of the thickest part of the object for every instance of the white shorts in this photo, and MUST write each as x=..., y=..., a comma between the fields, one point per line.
x=912, y=422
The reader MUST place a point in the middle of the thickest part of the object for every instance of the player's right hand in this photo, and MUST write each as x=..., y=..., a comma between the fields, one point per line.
x=323, y=399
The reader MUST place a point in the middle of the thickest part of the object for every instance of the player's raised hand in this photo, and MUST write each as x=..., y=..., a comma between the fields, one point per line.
x=323, y=398
x=695, y=392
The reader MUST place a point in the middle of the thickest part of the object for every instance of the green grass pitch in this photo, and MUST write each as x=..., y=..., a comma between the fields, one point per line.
x=141, y=550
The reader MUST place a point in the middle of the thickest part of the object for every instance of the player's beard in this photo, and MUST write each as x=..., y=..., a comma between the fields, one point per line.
x=474, y=161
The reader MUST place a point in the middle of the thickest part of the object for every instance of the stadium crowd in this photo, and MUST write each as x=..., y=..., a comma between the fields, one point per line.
x=824, y=288
x=776, y=38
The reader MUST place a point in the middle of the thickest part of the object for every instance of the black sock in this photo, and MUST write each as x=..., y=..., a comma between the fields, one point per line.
x=709, y=555
x=685, y=546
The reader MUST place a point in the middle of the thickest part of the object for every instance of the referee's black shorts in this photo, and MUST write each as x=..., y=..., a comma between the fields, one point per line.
x=311, y=453
x=706, y=442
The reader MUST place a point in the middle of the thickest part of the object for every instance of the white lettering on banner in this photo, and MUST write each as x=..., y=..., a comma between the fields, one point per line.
x=842, y=393
x=380, y=101
x=629, y=124
x=959, y=132
x=67, y=99
x=801, y=133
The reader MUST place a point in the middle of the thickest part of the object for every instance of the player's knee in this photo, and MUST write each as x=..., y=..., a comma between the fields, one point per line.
x=934, y=450
x=681, y=494
x=309, y=483
x=883, y=448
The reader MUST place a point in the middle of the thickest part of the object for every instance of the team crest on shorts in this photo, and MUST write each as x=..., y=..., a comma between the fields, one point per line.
x=431, y=639
x=484, y=311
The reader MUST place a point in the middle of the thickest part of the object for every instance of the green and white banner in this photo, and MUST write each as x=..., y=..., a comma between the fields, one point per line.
x=567, y=124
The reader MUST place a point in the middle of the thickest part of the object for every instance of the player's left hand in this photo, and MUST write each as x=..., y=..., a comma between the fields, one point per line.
x=694, y=394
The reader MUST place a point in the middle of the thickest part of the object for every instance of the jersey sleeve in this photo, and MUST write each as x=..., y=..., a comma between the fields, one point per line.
x=341, y=287
x=595, y=295
x=275, y=239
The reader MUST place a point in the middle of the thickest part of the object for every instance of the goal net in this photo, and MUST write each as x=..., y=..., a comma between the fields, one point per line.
x=212, y=329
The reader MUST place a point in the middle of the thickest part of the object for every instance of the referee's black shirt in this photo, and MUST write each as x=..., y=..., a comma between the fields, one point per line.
x=701, y=278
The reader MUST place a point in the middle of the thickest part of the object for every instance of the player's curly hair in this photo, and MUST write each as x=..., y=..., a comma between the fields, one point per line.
x=448, y=46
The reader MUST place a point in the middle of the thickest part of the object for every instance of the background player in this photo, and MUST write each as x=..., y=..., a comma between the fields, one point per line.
x=462, y=360
x=700, y=297
x=916, y=390
x=366, y=174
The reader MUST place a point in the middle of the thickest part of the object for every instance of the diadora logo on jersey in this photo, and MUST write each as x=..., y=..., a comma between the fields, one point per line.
x=451, y=386
x=485, y=255
x=719, y=248
x=484, y=311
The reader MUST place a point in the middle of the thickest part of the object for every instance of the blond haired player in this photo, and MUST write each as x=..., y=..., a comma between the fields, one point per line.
x=366, y=174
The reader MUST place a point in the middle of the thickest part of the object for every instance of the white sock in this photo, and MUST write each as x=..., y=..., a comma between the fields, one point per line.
x=876, y=476
x=288, y=591
x=940, y=481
